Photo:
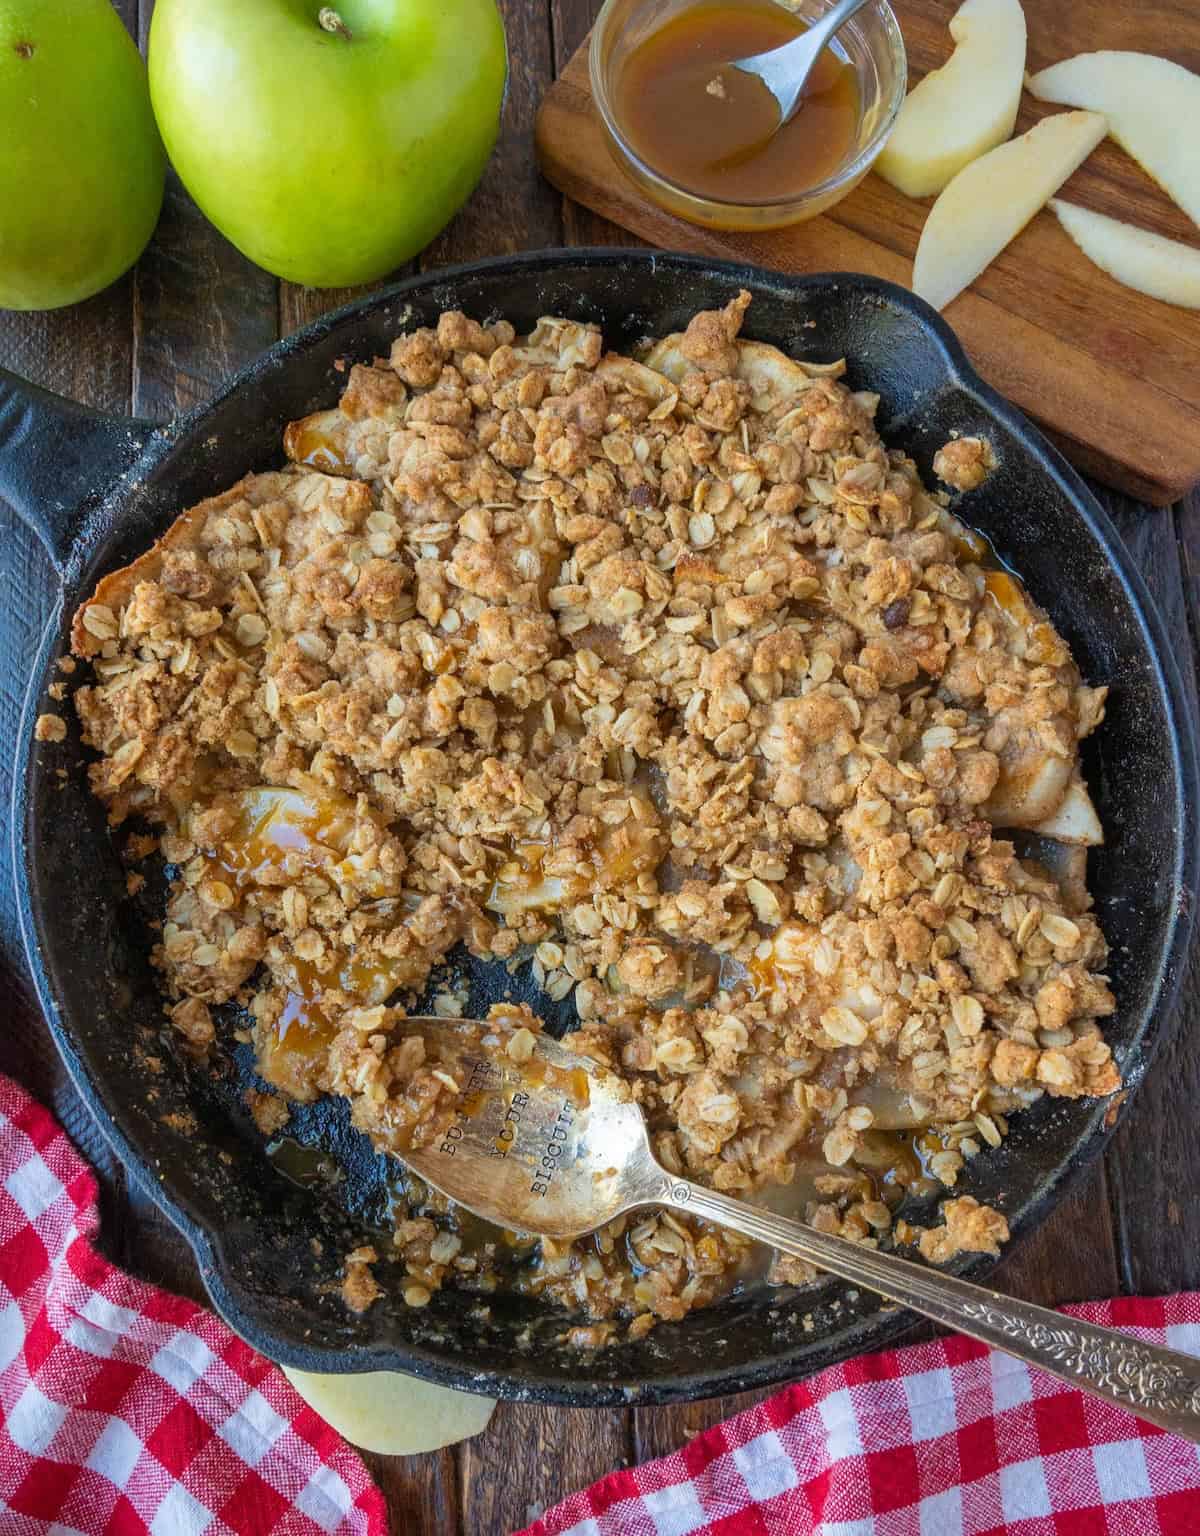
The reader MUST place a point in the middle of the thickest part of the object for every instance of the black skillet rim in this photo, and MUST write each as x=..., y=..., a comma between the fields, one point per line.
x=877, y=1328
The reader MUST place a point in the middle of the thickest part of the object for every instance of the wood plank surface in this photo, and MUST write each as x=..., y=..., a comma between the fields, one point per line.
x=1114, y=376
x=531, y=1457
x=570, y=23
x=193, y=312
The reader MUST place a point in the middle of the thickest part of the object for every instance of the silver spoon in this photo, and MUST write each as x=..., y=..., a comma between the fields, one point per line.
x=785, y=71
x=555, y=1146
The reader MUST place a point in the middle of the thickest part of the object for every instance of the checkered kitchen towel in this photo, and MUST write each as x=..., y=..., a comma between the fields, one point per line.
x=125, y=1410
x=943, y=1439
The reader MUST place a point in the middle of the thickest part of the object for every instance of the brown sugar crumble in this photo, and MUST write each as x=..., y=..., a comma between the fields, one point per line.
x=360, y=1289
x=964, y=462
x=50, y=728
x=269, y=1112
x=967, y=1227
x=669, y=678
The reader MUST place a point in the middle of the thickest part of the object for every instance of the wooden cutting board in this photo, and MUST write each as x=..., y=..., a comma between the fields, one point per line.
x=1111, y=375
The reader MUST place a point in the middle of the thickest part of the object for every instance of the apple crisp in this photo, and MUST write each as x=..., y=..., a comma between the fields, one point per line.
x=667, y=678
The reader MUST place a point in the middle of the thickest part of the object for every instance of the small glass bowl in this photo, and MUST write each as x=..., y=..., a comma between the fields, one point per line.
x=870, y=42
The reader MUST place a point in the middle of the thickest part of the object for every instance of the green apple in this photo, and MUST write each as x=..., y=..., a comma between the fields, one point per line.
x=328, y=144
x=81, y=165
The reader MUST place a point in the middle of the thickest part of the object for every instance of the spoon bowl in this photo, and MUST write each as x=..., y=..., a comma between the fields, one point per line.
x=552, y=1145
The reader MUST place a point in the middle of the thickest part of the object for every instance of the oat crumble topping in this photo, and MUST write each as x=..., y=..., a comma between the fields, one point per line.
x=668, y=676
x=360, y=1289
x=964, y=462
x=50, y=727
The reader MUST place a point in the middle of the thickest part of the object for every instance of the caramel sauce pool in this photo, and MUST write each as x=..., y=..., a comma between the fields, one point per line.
x=713, y=130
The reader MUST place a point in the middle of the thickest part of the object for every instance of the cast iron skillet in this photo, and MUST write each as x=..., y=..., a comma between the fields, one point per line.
x=269, y=1242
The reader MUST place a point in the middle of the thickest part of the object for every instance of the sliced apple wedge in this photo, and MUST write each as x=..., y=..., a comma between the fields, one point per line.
x=991, y=200
x=959, y=112
x=1031, y=787
x=1152, y=107
x=1075, y=821
x=1165, y=269
x=773, y=377
x=391, y=1414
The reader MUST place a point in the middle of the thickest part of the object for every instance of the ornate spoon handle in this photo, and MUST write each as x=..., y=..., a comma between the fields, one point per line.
x=1160, y=1385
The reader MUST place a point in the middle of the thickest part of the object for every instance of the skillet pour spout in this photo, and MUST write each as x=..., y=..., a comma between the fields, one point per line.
x=270, y=1236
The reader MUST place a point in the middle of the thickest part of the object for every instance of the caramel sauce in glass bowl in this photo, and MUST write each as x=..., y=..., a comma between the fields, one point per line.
x=704, y=141
x=714, y=130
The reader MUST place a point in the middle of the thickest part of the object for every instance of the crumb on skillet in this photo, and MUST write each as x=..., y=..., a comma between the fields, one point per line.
x=966, y=1227
x=668, y=676
x=50, y=728
x=964, y=462
x=360, y=1289
x=269, y=1111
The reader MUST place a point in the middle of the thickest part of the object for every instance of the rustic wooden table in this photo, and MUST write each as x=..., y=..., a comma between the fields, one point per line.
x=164, y=338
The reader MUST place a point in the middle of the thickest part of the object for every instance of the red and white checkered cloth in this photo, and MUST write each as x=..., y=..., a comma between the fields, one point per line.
x=942, y=1439
x=126, y=1410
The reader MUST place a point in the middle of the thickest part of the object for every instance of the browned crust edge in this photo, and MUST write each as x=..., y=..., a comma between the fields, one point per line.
x=116, y=589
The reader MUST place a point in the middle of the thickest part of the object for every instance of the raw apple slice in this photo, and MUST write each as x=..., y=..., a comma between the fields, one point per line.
x=393, y=1414
x=959, y=112
x=1165, y=269
x=992, y=199
x=1152, y=107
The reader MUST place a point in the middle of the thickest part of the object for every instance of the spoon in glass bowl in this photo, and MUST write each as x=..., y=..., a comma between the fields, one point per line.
x=785, y=70
x=551, y=1144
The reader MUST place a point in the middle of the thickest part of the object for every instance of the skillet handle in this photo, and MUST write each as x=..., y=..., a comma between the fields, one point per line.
x=57, y=457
